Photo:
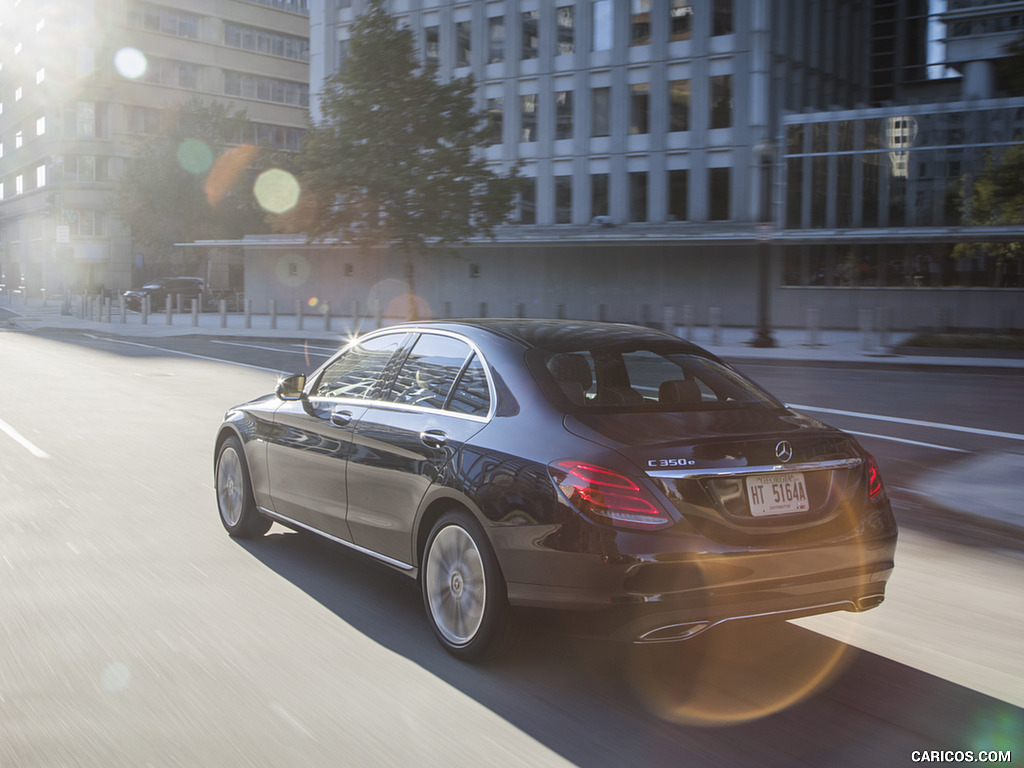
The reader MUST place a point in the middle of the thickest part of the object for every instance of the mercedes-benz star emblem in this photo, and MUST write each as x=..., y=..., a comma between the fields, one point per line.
x=784, y=451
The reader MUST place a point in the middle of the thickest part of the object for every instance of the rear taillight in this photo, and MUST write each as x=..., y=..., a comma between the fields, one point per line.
x=876, y=489
x=607, y=496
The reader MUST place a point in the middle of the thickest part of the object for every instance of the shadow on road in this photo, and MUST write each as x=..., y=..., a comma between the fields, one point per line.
x=779, y=695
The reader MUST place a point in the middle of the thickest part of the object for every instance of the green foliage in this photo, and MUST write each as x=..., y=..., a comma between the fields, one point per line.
x=189, y=183
x=394, y=158
x=996, y=198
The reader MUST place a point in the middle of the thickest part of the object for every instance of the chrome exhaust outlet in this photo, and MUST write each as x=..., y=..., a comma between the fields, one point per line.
x=868, y=602
x=673, y=633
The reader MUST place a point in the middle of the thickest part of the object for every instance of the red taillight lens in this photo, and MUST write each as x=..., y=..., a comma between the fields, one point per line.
x=607, y=496
x=876, y=489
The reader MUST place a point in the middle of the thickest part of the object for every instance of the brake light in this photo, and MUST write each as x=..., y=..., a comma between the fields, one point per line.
x=607, y=496
x=876, y=489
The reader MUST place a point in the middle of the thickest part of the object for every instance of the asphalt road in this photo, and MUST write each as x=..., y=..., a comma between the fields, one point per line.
x=135, y=632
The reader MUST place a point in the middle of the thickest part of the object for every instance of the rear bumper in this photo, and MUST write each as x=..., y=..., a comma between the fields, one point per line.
x=669, y=597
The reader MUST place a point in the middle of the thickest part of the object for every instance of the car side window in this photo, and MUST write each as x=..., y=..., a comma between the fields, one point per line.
x=358, y=372
x=472, y=395
x=429, y=371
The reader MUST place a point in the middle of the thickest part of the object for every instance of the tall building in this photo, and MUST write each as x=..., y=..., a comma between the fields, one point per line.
x=81, y=83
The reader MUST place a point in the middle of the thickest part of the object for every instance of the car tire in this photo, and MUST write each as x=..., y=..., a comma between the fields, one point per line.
x=235, y=501
x=463, y=590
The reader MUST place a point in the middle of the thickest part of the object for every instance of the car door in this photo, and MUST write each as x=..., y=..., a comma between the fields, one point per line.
x=312, y=437
x=440, y=398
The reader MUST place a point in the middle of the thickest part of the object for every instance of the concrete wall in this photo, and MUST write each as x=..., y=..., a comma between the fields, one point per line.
x=618, y=283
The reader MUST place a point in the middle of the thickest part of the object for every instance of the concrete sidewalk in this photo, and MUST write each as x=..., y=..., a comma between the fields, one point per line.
x=983, y=491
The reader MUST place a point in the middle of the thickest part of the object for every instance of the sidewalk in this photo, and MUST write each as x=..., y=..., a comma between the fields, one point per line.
x=980, y=490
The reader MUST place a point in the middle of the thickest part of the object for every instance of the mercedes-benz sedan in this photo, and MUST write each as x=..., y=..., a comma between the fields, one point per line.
x=619, y=476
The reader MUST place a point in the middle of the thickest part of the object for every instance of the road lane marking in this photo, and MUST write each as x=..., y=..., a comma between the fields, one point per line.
x=910, y=422
x=198, y=357
x=904, y=440
x=24, y=442
x=270, y=349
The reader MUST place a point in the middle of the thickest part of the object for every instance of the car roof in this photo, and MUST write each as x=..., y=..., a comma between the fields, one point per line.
x=557, y=335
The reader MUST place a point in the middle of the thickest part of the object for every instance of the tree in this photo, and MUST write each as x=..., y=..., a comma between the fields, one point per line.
x=192, y=182
x=395, y=158
x=995, y=198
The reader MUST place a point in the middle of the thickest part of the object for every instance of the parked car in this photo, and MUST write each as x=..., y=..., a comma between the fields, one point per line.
x=613, y=473
x=188, y=287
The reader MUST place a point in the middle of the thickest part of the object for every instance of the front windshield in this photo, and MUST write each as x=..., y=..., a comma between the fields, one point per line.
x=643, y=378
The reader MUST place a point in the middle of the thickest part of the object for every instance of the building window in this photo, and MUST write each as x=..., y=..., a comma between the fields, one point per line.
x=599, y=194
x=495, y=119
x=528, y=201
x=40, y=75
x=563, y=114
x=638, y=196
x=566, y=30
x=529, y=117
x=563, y=199
x=17, y=94
x=722, y=21
x=164, y=20
x=86, y=222
x=432, y=45
x=603, y=20
x=266, y=89
x=343, y=51
x=40, y=126
x=463, y=43
x=718, y=194
x=678, y=195
x=531, y=41
x=640, y=22
x=19, y=139
x=639, y=107
x=40, y=175
x=679, y=105
x=600, y=111
x=145, y=120
x=721, y=101
x=681, y=13
x=495, y=39
x=265, y=41
x=794, y=192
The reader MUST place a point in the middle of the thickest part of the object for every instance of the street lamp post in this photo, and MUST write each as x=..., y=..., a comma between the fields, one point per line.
x=764, y=150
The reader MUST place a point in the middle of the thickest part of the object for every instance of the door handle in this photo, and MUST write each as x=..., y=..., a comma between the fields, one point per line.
x=434, y=438
x=341, y=418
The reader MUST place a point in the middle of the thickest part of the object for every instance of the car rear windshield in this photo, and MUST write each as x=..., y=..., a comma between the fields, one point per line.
x=642, y=378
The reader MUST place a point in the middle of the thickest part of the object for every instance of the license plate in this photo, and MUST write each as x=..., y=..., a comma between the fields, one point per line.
x=777, y=494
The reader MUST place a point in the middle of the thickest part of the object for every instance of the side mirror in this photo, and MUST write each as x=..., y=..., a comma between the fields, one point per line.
x=291, y=388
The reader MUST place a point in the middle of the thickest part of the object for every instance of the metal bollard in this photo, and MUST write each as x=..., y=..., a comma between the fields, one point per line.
x=223, y=307
x=688, y=321
x=882, y=326
x=195, y=313
x=483, y=309
x=715, y=321
x=865, y=330
x=273, y=314
x=122, y=309
x=248, y=313
x=327, y=316
x=298, y=314
x=43, y=292
x=144, y=309
x=107, y=305
x=378, y=312
x=170, y=309
x=813, y=327
x=355, y=316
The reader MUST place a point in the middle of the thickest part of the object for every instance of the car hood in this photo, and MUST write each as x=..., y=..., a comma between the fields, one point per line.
x=735, y=437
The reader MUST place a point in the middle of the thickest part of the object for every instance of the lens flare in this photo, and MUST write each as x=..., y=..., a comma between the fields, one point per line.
x=313, y=301
x=276, y=190
x=226, y=171
x=130, y=63
x=195, y=156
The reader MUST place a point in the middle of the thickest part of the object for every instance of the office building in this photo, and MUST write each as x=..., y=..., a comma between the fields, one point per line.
x=81, y=84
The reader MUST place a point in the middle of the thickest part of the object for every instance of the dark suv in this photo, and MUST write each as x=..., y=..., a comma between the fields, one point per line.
x=159, y=289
